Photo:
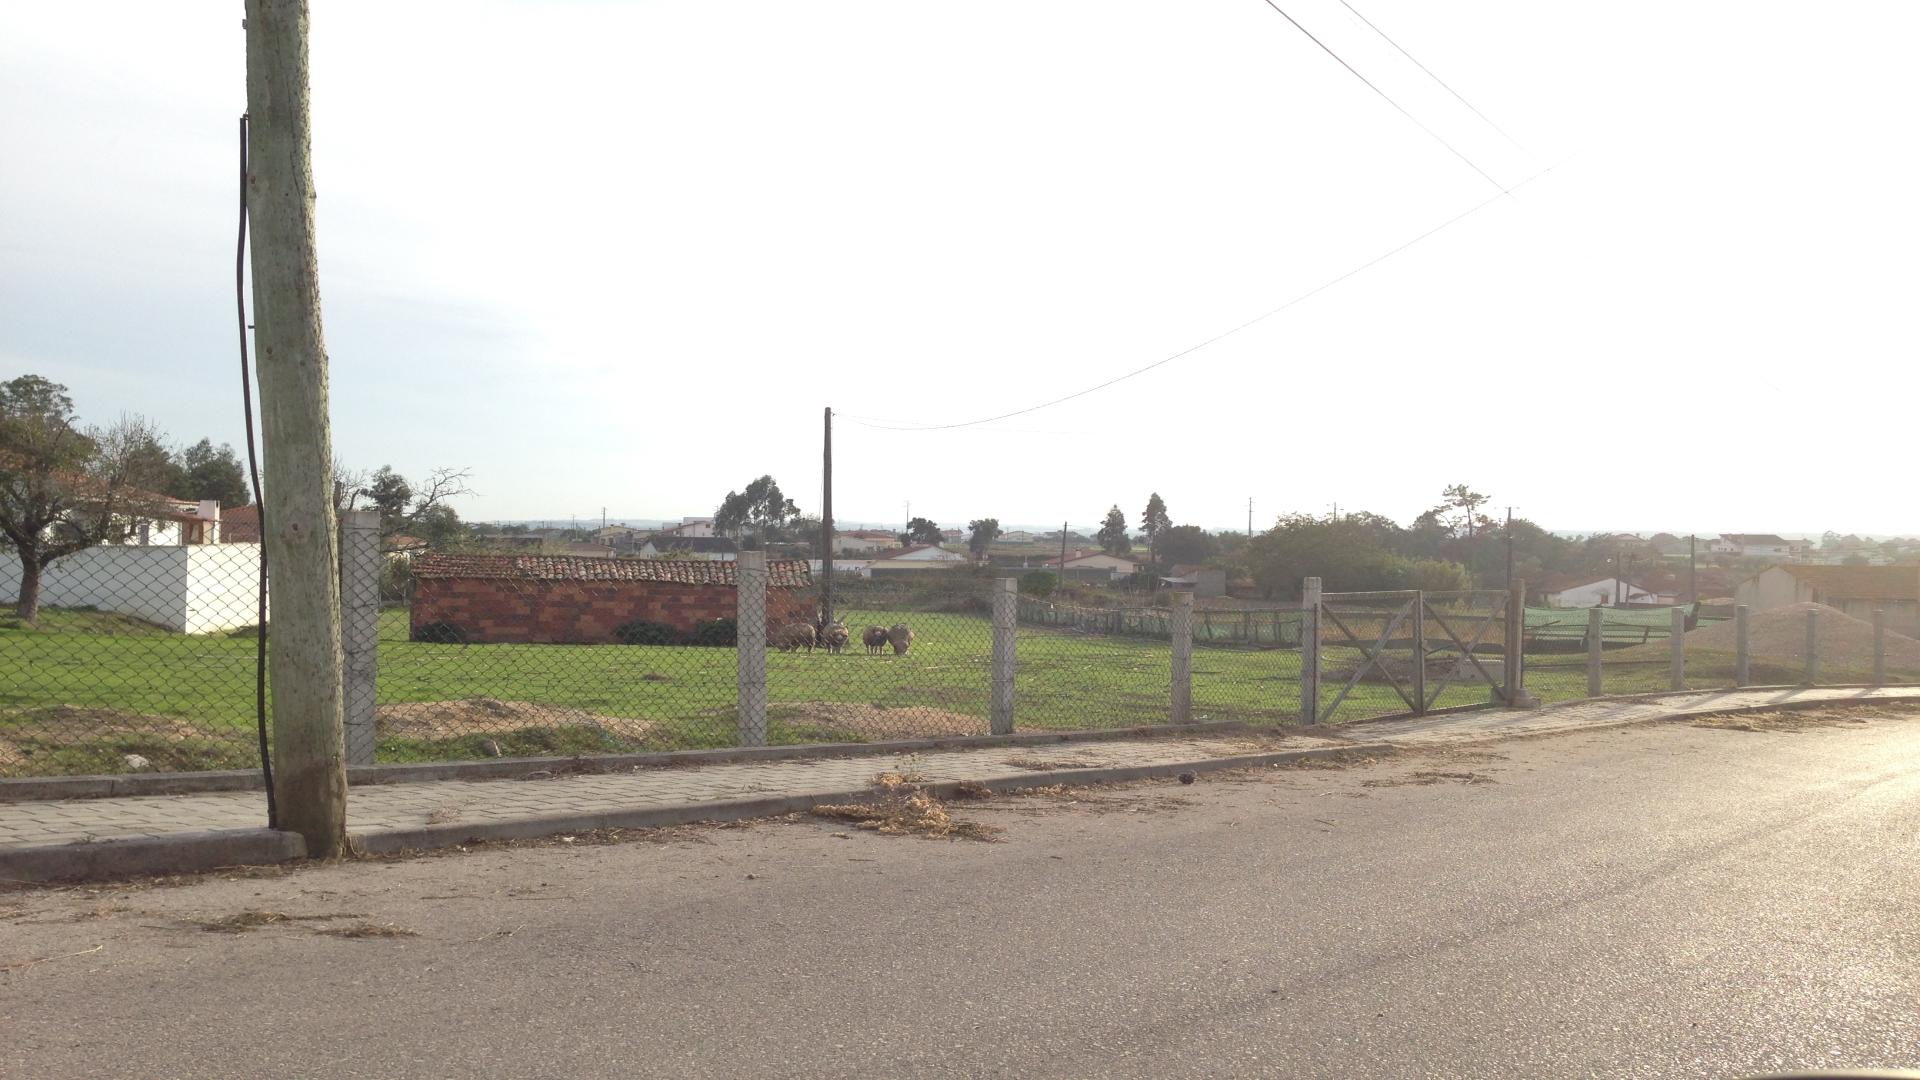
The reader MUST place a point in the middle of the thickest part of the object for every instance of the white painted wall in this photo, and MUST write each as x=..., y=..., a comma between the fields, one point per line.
x=196, y=589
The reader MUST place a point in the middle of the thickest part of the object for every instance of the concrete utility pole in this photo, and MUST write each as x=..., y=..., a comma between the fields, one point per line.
x=826, y=519
x=301, y=537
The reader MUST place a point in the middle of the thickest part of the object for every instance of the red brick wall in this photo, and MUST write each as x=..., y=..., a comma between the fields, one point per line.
x=492, y=611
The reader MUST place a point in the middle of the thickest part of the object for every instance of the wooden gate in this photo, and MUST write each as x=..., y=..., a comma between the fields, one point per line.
x=1419, y=644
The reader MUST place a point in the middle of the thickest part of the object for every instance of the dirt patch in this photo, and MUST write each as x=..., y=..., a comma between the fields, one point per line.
x=1780, y=635
x=1424, y=777
x=241, y=922
x=906, y=814
x=28, y=733
x=367, y=930
x=1045, y=765
x=1803, y=719
x=878, y=721
x=438, y=720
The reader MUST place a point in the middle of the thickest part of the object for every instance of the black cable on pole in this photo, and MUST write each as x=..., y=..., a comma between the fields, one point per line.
x=1384, y=97
x=259, y=505
x=1431, y=75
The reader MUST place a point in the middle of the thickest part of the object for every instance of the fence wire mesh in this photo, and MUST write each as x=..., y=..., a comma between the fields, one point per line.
x=138, y=658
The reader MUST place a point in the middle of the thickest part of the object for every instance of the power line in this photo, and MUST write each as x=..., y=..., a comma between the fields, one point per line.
x=1384, y=97
x=1309, y=294
x=1431, y=75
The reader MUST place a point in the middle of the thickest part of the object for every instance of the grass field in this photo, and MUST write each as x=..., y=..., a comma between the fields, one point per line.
x=83, y=689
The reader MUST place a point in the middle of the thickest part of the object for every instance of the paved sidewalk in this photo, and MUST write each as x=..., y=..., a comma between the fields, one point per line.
x=99, y=837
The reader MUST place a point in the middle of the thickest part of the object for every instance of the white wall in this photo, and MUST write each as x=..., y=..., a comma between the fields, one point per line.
x=198, y=589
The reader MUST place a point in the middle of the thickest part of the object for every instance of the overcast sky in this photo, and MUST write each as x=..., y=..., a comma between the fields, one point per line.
x=621, y=254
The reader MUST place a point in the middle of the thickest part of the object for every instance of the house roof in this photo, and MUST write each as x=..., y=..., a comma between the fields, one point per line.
x=781, y=573
x=403, y=542
x=240, y=525
x=1755, y=539
x=1860, y=582
x=699, y=545
x=906, y=551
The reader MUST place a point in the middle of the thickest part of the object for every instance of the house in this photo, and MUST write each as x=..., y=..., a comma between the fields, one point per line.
x=1607, y=592
x=557, y=599
x=1017, y=536
x=1756, y=546
x=1855, y=590
x=692, y=527
x=862, y=540
x=1198, y=580
x=860, y=568
x=665, y=545
x=240, y=525
x=920, y=558
x=1093, y=566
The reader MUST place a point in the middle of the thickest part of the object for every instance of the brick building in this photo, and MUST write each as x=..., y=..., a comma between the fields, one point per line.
x=548, y=599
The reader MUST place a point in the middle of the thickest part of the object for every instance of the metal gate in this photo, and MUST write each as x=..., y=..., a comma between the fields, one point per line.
x=1382, y=653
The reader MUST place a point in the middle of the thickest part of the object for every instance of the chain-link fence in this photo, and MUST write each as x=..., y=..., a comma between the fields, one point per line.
x=130, y=657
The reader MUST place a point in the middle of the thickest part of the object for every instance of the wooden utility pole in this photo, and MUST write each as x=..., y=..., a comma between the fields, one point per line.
x=826, y=520
x=1063, y=551
x=301, y=537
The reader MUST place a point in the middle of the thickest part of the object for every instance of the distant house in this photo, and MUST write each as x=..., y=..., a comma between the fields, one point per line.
x=1092, y=566
x=862, y=540
x=1756, y=546
x=695, y=527
x=920, y=558
x=861, y=568
x=1017, y=536
x=714, y=548
x=1856, y=590
x=614, y=534
x=549, y=599
x=1607, y=592
x=1198, y=580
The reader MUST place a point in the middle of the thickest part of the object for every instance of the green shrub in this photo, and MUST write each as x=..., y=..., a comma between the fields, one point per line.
x=440, y=633
x=718, y=632
x=647, y=632
x=1039, y=583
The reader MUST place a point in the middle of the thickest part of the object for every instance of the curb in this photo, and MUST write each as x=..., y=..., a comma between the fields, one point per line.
x=189, y=852
x=174, y=853
x=1677, y=716
x=40, y=788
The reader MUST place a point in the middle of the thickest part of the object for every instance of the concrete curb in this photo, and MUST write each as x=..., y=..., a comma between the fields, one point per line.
x=38, y=788
x=173, y=853
x=1672, y=717
x=454, y=834
x=189, y=852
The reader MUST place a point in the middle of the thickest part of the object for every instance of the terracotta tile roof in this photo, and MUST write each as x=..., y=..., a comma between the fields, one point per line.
x=1860, y=582
x=781, y=573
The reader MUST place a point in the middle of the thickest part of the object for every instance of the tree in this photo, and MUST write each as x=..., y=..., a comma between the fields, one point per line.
x=761, y=509
x=1113, y=533
x=202, y=472
x=981, y=533
x=1436, y=575
x=1466, y=504
x=422, y=512
x=1186, y=544
x=1345, y=553
x=1154, y=522
x=63, y=490
x=922, y=531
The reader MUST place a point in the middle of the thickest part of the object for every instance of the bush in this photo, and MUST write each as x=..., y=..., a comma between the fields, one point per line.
x=718, y=632
x=440, y=633
x=646, y=632
x=1039, y=583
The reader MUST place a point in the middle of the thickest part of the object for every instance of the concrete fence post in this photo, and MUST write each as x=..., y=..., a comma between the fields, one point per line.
x=360, y=567
x=1595, y=636
x=1677, y=650
x=751, y=646
x=1310, y=651
x=1181, y=624
x=1516, y=645
x=1879, y=647
x=1812, y=677
x=1420, y=652
x=1742, y=653
x=1006, y=603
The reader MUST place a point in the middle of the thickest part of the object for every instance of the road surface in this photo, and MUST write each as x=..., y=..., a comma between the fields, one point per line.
x=1668, y=900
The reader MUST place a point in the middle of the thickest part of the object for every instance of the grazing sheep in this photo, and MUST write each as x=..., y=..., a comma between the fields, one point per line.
x=901, y=637
x=874, y=638
x=794, y=635
x=834, y=636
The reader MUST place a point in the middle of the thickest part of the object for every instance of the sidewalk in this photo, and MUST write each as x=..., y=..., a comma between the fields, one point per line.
x=174, y=833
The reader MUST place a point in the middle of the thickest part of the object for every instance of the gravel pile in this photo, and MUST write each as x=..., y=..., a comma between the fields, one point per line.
x=1779, y=635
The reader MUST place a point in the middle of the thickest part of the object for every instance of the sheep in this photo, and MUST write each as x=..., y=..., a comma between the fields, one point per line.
x=834, y=636
x=901, y=637
x=874, y=638
x=794, y=635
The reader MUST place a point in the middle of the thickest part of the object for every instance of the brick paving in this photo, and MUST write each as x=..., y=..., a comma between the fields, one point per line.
x=391, y=807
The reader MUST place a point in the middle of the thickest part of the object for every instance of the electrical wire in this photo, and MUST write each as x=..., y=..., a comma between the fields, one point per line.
x=1309, y=294
x=1386, y=98
x=260, y=506
x=1431, y=75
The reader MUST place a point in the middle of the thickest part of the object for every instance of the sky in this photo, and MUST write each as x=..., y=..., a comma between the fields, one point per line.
x=622, y=255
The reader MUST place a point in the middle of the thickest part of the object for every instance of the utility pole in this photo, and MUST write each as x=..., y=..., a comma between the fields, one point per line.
x=1063, y=551
x=1693, y=587
x=1509, y=548
x=826, y=519
x=1249, y=517
x=301, y=537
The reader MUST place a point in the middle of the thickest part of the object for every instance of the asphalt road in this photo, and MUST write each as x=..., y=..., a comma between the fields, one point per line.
x=1655, y=901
